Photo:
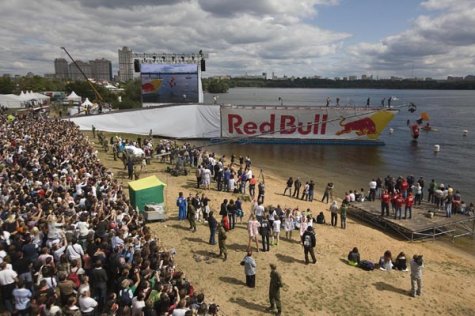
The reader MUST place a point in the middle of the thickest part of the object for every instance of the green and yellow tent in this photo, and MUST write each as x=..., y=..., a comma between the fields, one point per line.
x=145, y=191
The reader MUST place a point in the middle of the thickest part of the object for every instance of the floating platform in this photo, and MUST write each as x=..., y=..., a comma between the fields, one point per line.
x=421, y=226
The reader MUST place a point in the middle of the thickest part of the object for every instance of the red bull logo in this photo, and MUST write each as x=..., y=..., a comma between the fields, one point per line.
x=276, y=124
x=364, y=126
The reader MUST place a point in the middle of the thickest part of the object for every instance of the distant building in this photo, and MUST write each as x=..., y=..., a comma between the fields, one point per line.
x=75, y=73
x=470, y=77
x=453, y=78
x=61, y=69
x=101, y=69
x=126, y=64
x=352, y=78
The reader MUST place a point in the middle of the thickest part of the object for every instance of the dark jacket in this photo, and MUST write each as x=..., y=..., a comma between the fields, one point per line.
x=265, y=228
x=213, y=224
x=309, y=239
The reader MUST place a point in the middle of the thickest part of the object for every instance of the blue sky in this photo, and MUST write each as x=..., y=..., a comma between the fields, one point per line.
x=327, y=38
x=369, y=20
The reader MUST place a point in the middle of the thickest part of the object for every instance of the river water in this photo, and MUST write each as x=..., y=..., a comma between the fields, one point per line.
x=352, y=167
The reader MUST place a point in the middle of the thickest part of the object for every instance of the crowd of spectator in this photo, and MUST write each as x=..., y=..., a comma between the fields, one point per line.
x=70, y=242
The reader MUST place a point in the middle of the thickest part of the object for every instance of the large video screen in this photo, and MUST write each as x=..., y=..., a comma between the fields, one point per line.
x=163, y=83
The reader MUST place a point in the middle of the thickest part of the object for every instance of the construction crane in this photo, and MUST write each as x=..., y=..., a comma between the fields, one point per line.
x=99, y=100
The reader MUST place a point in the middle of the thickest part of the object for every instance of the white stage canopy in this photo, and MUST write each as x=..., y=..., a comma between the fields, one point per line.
x=178, y=121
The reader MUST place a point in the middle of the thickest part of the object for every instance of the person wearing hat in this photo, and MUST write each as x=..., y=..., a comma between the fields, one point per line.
x=274, y=290
x=309, y=242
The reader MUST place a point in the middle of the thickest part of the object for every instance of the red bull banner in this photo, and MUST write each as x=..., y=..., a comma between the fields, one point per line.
x=304, y=123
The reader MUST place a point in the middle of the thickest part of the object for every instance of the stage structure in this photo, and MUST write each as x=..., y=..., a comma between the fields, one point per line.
x=170, y=77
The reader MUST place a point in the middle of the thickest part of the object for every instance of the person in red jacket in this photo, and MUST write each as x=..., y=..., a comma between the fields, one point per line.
x=399, y=203
x=385, y=199
x=404, y=188
x=409, y=203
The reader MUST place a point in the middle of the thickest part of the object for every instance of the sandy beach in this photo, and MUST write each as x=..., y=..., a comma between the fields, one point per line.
x=331, y=287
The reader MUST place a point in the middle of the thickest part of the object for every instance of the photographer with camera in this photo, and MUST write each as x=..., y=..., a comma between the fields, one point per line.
x=417, y=263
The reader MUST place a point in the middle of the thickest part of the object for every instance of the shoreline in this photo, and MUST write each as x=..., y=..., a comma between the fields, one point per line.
x=385, y=292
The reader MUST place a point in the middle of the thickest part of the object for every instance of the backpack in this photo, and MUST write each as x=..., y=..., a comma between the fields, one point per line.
x=307, y=241
x=73, y=276
x=124, y=297
x=366, y=265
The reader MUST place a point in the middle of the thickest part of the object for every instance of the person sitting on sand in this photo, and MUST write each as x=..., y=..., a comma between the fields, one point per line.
x=354, y=257
x=401, y=262
x=386, y=261
x=320, y=219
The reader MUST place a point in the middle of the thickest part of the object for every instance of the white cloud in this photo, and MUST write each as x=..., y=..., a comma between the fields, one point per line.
x=434, y=45
x=241, y=36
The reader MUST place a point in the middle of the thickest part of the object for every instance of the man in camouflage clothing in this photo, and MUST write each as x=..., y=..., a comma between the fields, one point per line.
x=223, y=250
x=274, y=290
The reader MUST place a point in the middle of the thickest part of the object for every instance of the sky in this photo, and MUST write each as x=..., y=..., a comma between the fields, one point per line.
x=328, y=38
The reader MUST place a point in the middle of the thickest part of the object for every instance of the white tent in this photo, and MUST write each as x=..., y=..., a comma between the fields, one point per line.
x=11, y=101
x=87, y=103
x=73, y=97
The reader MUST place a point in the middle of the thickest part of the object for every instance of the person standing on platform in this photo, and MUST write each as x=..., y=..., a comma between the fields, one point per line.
x=223, y=250
x=249, y=269
x=372, y=190
x=399, y=202
x=334, y=213
x=213, y=225
x=297, y=186
x=181, y=203
x=274, y=290
x=409, y=203
x=421, y=183
x=385, y=199
x=309, y=241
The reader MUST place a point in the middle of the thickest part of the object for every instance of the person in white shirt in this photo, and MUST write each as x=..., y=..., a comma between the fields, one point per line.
x=7, y=284
x=74, y=251
x=86, y=303
x=138, y=304
x=372, y=190
x=22, y=299
x=181, y=309
x=276, y=229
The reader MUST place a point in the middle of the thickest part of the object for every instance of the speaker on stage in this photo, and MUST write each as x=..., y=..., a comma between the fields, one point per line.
x=203, y=65
x=137, y=65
